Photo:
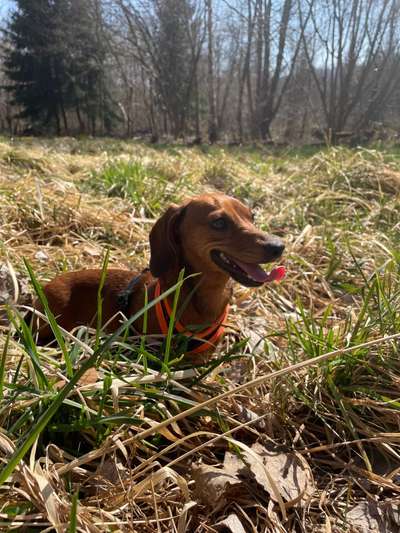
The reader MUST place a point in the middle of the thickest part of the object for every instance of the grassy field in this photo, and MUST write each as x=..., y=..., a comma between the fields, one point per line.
x=263, y=439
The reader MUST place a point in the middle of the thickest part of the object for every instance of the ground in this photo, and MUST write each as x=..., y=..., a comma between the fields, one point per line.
x=303, y=445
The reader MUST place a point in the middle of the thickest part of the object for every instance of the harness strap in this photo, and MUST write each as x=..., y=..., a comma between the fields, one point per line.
x=208, y=336
x=202, y=340
x=124, y=297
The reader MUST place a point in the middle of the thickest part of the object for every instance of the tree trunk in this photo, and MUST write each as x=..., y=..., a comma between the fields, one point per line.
x=197, y=110
x=212, y=119
x=79, y=117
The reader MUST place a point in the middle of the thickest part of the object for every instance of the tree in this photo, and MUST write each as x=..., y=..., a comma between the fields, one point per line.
x=33, y=64
x=271, y=43
x=348, y=45
x=233, y=69
x=166, y=38
x=55, y=62
x=278, y=44
x=85, y=51
x=212, y=117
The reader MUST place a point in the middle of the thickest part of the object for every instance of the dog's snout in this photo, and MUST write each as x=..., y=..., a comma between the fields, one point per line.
x=273, y=248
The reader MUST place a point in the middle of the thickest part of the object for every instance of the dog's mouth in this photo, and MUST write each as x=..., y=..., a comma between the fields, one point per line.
x=248, y=274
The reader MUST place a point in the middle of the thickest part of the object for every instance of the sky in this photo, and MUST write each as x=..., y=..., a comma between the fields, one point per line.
x=5, y=5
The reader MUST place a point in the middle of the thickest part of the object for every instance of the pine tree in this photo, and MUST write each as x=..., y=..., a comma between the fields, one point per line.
x=177, y=54
x=56, y=65
x=33, y=64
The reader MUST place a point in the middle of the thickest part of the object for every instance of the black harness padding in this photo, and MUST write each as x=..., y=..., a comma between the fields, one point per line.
x=125, y=296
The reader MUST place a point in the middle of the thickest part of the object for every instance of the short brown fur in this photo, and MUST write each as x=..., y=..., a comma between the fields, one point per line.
x=181, y=237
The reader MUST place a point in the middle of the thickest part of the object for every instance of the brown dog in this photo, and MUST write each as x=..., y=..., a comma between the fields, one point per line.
x=212, y=234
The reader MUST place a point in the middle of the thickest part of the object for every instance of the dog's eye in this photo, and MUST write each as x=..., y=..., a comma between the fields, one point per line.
x=219, y=223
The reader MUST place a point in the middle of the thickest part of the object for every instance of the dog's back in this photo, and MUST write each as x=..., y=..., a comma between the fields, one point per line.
x=73, y=298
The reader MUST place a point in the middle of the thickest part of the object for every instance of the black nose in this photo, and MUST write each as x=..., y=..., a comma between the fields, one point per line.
x=273, y=248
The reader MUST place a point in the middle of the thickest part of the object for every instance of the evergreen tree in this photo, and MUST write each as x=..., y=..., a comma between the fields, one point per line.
x=56, y=65
x=33, y=64
x=175, y=62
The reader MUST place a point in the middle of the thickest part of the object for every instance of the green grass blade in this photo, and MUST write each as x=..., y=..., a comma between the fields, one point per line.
x=73, y=516
x=3, y=364
x=52, y=321
x=142, y=350
x=171, y=325
x=31, y=350
x=100, y=297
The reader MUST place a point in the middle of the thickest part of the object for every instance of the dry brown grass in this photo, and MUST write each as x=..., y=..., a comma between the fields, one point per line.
x=331, y=425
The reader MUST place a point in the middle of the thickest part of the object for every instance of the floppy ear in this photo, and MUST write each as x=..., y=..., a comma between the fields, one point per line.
x=164, y=241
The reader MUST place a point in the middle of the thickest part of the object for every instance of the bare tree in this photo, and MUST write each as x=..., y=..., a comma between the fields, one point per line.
x=268, y=58
x=166, y=38
x=279, y=40
x=212, y=117
x=244, y=71
x=231, y=69
x=227, y=60
x=8, y=122
x=347, y=44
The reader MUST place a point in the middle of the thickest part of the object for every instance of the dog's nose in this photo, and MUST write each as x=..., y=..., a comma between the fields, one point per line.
x=273, y=248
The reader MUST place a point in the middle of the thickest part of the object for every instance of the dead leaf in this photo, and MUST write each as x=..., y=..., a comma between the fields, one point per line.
x=214, y=486
x=109, y=475
x=234, y=465
x=6, y=445
x=14, y=288
x=391, y=512
x=231, y=523
x=89, y=377
x=51, y=500
x=159, y=477
x=41, y=256
x=91, y=251
x=245, y=415
x=365, y=518
x=183, y=517
x=255, y=341
x=111, y=470
x=289, y=473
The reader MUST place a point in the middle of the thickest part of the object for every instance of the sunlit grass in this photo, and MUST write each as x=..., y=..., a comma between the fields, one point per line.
x=72, y=414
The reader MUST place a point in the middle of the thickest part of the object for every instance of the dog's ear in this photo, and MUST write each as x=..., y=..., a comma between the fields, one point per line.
x=164, y=241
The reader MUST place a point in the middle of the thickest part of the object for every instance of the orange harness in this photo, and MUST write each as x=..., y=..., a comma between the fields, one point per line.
x=206, y=337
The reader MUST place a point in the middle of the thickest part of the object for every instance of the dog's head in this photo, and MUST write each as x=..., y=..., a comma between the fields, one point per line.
x=213, y=233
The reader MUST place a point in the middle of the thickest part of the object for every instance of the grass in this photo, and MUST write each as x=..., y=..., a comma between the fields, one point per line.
x=103, y=433
x=146, y=187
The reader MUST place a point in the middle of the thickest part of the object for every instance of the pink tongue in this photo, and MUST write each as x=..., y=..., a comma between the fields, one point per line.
x=258, y=274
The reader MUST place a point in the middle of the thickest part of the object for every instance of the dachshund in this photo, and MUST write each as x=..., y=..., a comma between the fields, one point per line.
x=211, y=235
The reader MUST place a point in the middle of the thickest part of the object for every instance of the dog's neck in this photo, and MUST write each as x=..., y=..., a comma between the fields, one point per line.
x=207, y=295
